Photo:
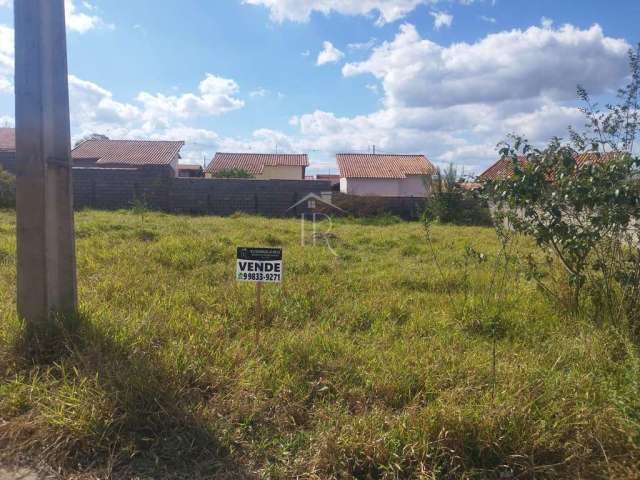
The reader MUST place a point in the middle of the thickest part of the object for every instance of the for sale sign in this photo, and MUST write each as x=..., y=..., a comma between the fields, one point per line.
x=259, y=265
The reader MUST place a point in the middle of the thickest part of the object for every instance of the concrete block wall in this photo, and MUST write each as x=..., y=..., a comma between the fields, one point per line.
x=8, y=162
x=112, y=189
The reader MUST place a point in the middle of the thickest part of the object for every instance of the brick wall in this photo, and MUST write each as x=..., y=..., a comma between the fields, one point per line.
x=110, y=189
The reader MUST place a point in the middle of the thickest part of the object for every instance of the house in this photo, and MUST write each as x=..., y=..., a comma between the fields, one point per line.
x=261, y=166
x=8, y=149
x=160, y=155
x=187, y=170
x=503, y=168
x=333, y=179
x=385, y=175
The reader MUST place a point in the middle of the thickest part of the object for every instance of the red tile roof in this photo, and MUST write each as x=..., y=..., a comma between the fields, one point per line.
x=254, y=163
x=189, y=166
x=7, y=140
x=586, y=158
x=503, y=168
x=359, y=165
x=127, y=152
x=470, y=186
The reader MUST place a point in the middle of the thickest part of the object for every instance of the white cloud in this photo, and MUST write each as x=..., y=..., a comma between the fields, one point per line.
x=544, y=123
x=301, y=10
x=488, y=19
x=6, y=59
x=441, y=19
x=216, y=96
x=329, y=54
x=260, y=92
x=456, y=103
x=368, y=45
x=502, y=66
x=93, y=108
x=81, y=22
x=7, y=121
x=77, y=18
x=263, y=140
x=453, y=103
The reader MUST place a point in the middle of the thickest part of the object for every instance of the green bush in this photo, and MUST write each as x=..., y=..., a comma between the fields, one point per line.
x=232, y=173
x=580, y=203
x=458, y=208
x=406, y=208
x=7, y=190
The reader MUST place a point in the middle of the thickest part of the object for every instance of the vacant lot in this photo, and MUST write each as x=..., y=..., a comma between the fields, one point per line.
x=376, y=363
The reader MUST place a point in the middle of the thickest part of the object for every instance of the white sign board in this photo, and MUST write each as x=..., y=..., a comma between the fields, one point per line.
x=259, y=265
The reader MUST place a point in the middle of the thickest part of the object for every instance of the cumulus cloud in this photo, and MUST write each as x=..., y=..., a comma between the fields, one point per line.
x=368, y=45
x=464, y=129
x=6, y=59
x=508, y=65
x=301, y=10
x=94, y=108
x=80, y=17
x=455, y=103
x=329, y=54
x=259, y=92
x=441, y=19
x=216, y=95
x=78, y=20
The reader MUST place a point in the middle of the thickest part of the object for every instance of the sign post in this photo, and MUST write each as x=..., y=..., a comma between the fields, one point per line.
x=259, y=265
x=258, y=310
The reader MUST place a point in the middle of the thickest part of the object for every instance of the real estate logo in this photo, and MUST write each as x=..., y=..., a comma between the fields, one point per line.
x=316, y=208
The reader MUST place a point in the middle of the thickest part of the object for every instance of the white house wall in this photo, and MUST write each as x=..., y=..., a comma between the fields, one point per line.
x=412, y=186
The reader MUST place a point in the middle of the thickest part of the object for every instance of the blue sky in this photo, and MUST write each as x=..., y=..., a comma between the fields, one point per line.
x=446, y=78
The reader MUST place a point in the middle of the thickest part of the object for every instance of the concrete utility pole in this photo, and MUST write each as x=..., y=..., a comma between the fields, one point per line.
x=45, y=232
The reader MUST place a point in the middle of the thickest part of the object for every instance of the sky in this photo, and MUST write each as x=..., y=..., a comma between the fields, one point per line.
x=445, y=78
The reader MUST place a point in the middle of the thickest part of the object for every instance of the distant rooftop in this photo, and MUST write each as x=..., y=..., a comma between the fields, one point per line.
x=7, y=140
x=189, y=166
x=503, y=168
x=254, y=163
x=364, y=165
x=128, y=152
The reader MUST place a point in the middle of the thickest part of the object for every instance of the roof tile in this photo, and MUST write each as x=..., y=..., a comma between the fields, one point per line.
x=7, y=140
x=254, y=163
x=358, y=165
x=503, y=168
x=128, y=152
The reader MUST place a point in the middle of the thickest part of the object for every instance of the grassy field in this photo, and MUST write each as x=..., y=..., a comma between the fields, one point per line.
x=376, y=363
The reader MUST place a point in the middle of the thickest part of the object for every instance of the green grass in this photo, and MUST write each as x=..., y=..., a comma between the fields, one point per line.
x=368, y=365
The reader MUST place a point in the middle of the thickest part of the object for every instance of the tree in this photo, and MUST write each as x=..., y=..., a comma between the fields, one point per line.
x=232, y=173
x=91, y=136
x=580, y=202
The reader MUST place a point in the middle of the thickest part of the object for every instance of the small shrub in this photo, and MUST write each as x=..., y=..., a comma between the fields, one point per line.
x=7, y=190
x=232, y=173
x=146, y=235
x=459, y=208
